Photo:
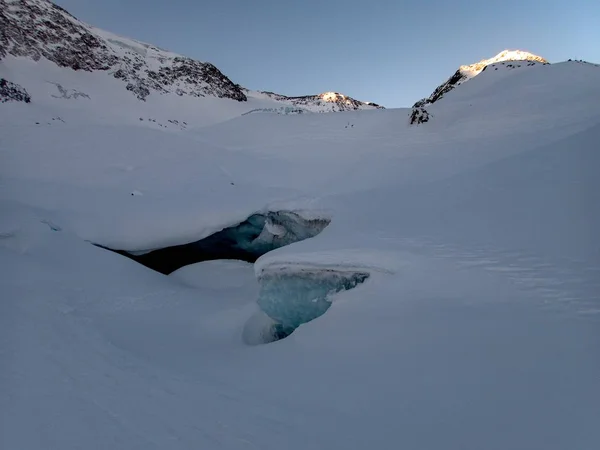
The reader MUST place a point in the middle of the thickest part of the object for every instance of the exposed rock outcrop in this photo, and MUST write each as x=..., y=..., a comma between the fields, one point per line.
x=39, y=28
x=12, y=92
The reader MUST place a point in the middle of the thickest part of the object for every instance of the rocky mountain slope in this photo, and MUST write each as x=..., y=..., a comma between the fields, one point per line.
x=325, y=102
x=38, y=29
x=510, y=59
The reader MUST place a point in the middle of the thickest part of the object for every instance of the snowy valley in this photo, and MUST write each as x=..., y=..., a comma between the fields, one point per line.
x=187, y=263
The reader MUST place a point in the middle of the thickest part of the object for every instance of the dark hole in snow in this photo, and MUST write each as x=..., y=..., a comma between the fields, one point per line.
x=247, y=241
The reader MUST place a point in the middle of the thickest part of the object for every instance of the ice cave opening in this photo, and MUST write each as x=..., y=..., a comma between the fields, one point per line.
x=258, y=234
x=289, y=299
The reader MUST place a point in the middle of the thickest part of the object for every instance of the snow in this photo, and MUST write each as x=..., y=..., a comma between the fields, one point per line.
x=218, y=275
x=473, y=70
x=477, y=327
x=325, y=102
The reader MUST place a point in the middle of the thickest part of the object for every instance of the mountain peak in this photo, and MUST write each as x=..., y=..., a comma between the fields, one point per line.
x=504, y=55
x=330, y=101
x=333, y=97
x=468, y=71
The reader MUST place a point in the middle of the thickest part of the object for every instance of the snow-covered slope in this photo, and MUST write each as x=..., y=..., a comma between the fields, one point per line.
x=39, y=29
x=463, y=253
x=477, y=326
x=507, y=59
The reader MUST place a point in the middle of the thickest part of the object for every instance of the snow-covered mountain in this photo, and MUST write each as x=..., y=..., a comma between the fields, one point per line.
x=40, y=29
x=507, y=59
x=325, y=102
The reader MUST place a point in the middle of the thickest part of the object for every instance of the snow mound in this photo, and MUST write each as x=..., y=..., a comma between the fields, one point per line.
x=218, y=274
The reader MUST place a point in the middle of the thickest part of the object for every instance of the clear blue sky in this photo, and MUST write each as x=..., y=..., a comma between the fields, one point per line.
x=391, y=52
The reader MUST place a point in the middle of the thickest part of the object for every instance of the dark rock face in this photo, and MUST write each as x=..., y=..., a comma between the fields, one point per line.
x=139, y=89
x=442, y=89
x=12, y=92
x=418, y=115
x=202, y=79
x=39, y=28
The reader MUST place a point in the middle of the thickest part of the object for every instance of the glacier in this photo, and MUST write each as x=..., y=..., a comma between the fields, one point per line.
x=281, y=110
x=476, y=328
x=294, y=298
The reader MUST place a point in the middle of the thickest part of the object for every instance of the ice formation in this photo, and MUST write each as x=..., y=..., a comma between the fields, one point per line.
x=294, y=298
x=247, y=241
x=285, y=110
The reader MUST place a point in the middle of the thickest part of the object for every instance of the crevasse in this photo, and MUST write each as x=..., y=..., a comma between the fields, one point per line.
x=293, y=298
x=247, y=241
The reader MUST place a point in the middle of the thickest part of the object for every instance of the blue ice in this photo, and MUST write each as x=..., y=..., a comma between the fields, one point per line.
x=292, y=299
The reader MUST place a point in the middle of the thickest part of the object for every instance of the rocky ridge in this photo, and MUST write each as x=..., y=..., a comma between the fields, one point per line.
x=39, y=28
x=325, y=102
